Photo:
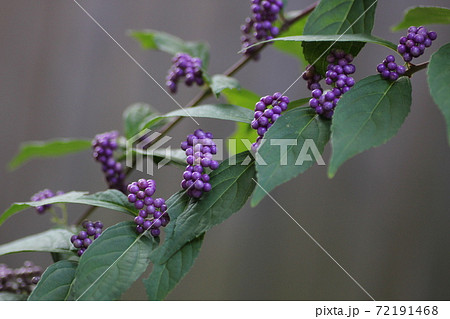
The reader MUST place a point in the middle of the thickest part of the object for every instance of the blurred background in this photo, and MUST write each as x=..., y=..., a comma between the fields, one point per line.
x=384, y=217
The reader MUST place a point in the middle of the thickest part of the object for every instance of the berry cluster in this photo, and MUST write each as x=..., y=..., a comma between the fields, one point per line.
x=82, y=240
x=104, y=146
x=199, y=148
x=339, y=69
x=184, y=66
x=21, y=280
x=337, y=75
x=267, y=110
x=415, y=42
x=44, y=194
x=389, y=69
x=152, y=212
x=312, y=78
x=325, y=103
x=260, y=26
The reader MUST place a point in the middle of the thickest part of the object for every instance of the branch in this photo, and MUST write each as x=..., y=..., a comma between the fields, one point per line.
x=86, y=214
x=416, y=68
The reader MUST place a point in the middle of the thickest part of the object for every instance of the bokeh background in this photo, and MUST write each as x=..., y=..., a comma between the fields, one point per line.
x=384, y=217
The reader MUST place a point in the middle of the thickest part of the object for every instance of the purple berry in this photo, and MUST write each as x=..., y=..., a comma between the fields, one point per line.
x=401, y=69
x=150, y=209
x=139, y=204
x=147, y=224
x=87, y=242
x=407, y=57
x=391, y=66
x=316, y=93
x=155, y=232
x=143, y=213
x=350, y=82
x=385, y=74
x=139, y=220
x=156, y=223
x=401, y=48
x=381, y=67
x=390, y=58
x=214, y=165
x=77, y=243
x=82, y=235
x=313, y=103
x=393, y=76
x=90, y=231
x=432, y=35
x=415, y=52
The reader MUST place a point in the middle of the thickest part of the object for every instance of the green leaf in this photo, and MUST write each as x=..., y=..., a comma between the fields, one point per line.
x=45, y=149
x=216, y=111
x=422, y=15
x=156, y=40
x=112, y=263
x=166, y=274
x=53, y=240
x=338, y=38
x=337, y=17
x=241, y=97
x=438, y=75
x=68, y=255
x=177, y=156
x=220, y=82
x=247, y=99
x=231, y=183
x=8, y=296
x=295, y=130
x=164, y=277
x=111, y=199
x=55, y=282
x=298, y=103
x=294, y=49
x=153, y=122
x=244, y=132
x=367, y=116
x=133, y=118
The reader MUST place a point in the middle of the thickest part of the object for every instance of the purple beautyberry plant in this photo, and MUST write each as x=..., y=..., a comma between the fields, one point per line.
x=93, y=263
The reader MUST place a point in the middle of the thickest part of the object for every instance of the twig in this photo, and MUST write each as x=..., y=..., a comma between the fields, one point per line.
x=416, y=68
x=86, y=214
